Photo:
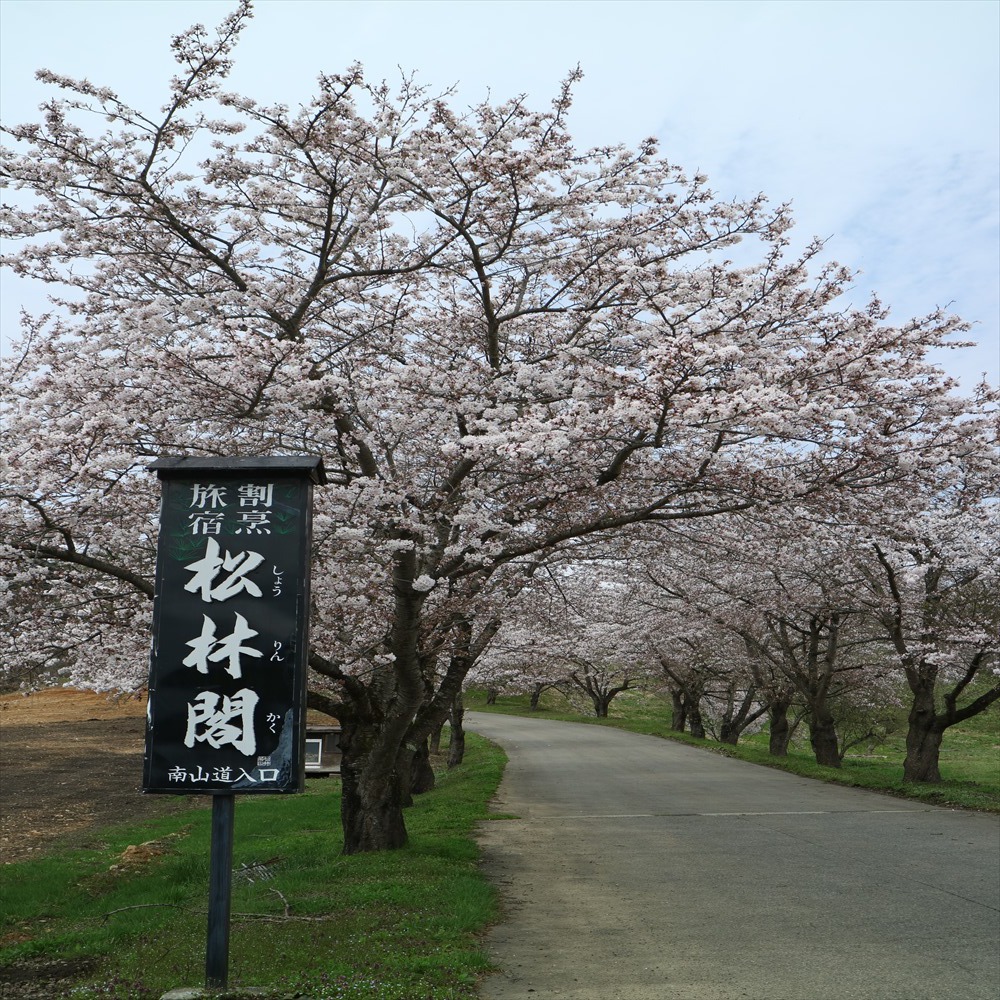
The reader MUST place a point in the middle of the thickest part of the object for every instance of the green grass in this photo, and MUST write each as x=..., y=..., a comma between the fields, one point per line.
x=402, y=925
x=970, y=754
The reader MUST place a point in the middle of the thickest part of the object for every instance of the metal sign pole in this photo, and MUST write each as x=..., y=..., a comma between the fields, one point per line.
x=220, y=887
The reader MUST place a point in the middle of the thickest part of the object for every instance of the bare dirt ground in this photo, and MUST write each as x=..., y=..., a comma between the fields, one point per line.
x=70, y=763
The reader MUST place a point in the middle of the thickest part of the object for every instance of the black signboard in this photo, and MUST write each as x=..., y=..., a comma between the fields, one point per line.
x=230, y=626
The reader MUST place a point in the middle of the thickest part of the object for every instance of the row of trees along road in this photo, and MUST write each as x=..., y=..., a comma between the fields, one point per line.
x=840, y=622
x=504, y=348
x=845, y=621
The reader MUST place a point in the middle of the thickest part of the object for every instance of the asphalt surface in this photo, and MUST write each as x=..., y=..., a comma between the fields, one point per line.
x=641, y=869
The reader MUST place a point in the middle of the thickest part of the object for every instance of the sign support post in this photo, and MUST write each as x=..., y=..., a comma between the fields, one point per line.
x=220, y=892
x=227, y=678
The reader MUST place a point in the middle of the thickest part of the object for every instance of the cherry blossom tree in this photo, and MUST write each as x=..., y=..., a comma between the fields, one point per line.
x=933, y=581
x=517, y=662
x=844, y=607
x=733, y=694
x=688, y=671
x=578, y=629
x=784, y=588
x=499, y=344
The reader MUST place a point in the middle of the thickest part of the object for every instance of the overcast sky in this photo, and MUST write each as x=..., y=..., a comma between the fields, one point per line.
x=879, y=121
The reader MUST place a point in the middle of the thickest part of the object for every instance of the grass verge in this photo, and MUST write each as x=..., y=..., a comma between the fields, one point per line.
x=970, y=755
x=307, y=921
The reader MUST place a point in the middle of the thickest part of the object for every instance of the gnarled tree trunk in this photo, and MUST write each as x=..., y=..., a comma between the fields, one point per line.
x=823, y=737
x=695, y=722
x=678, y=715
x=924, y=733
x=421, y=773
x=780, y=730
x=739, y=718
x=376, y=730
x=536, y=693
x=371, y=810
x=456, y=752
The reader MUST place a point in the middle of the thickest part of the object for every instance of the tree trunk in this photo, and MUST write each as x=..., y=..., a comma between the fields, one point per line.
x=729, y=733
x=781, y=732
x=491, y=696
x=923, y=750
x=738, y=718
x=374, y=741
x=371, y=811
x=536, y=693
x=456, y=753
x=435, y=744
x=421, y=773
x=404, y=775
x=923, y=737
x=694, y=717
x=678, y=716
x=823, y=738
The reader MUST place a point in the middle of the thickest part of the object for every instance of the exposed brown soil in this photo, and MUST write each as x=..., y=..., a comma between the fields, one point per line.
x=70, y=763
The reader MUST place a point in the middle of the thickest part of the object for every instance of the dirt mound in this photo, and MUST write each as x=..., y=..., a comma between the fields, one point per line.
x=72, y=761
x=69, y=705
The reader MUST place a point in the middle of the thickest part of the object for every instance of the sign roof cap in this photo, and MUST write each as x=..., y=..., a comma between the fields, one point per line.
x=184, y=466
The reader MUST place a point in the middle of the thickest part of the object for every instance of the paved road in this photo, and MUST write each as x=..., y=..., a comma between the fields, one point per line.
x=641, y=869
